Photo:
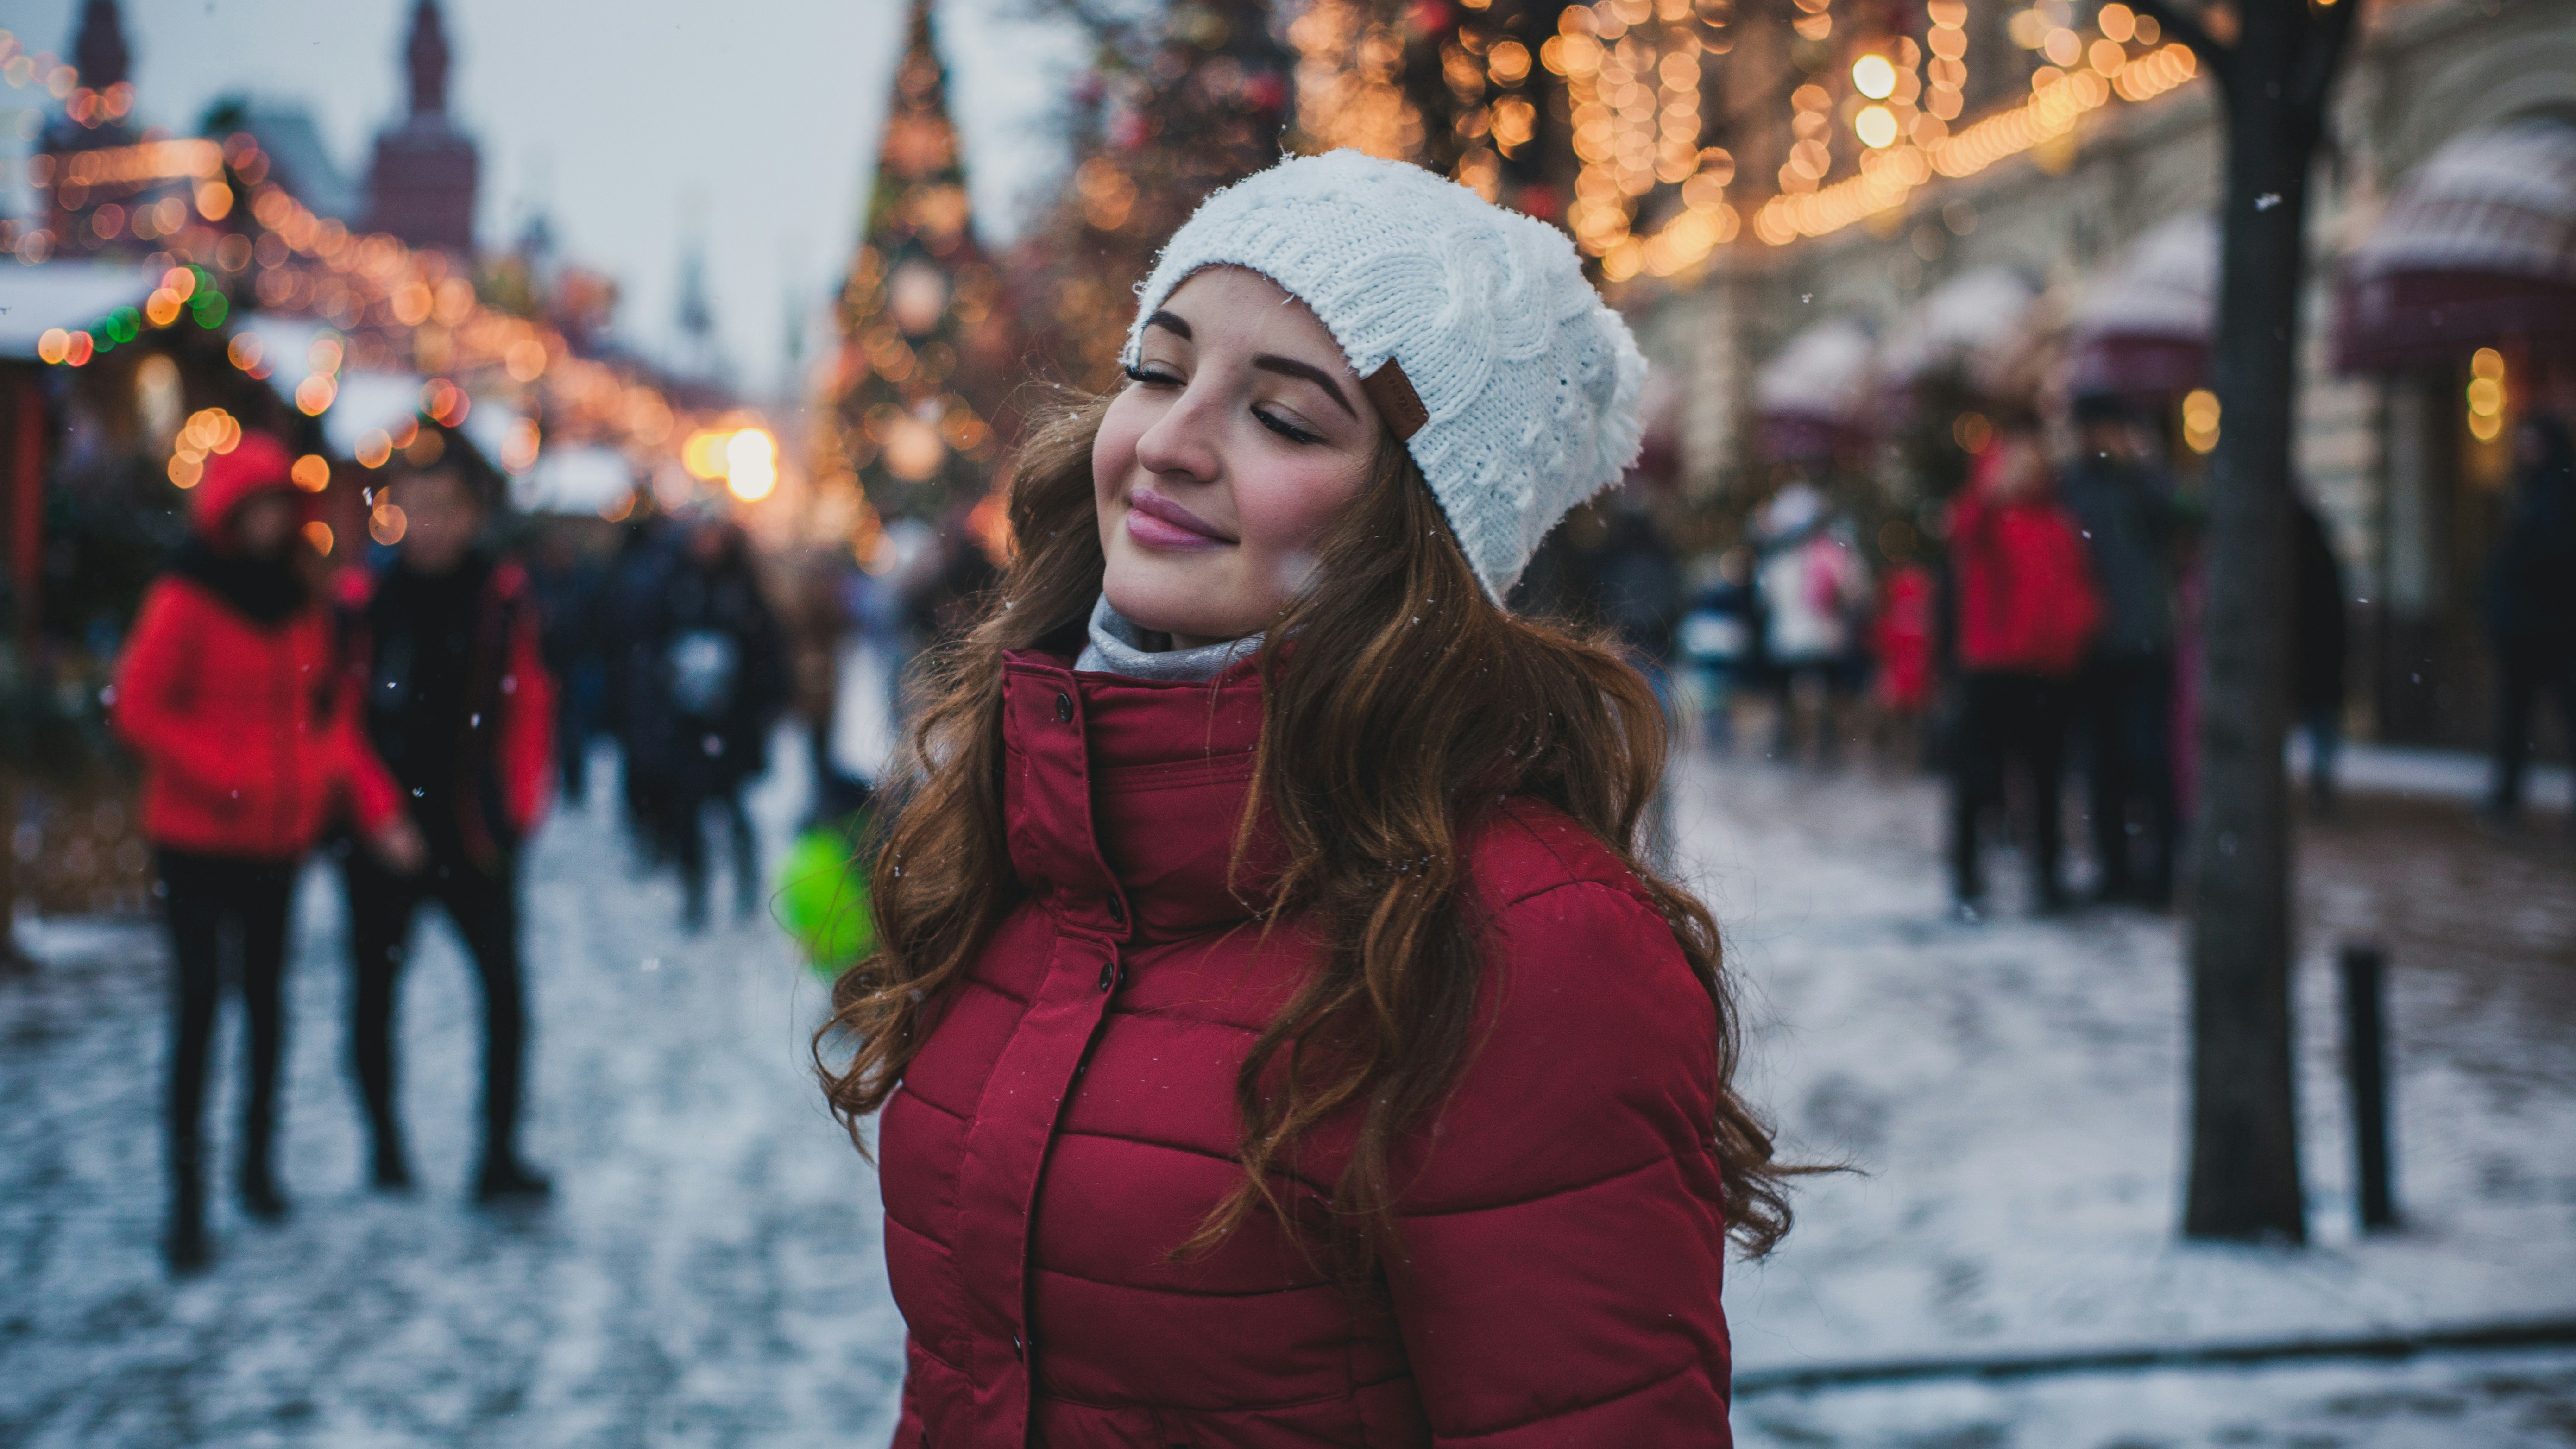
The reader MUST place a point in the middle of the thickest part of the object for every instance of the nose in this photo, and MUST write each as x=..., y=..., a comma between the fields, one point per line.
x=1181, y=444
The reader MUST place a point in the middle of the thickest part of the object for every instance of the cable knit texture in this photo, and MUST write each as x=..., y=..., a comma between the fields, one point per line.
x=1530, y=381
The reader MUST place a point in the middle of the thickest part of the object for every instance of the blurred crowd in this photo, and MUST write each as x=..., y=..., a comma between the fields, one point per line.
x=413, y=712
x=2039, y=623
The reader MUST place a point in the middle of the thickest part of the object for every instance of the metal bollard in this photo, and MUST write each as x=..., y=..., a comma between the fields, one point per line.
x=2365, y=1065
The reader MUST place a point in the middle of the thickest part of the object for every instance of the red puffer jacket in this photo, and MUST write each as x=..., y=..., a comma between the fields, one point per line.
x=246, y=729
x=2027, y=603
x=1071, y=1120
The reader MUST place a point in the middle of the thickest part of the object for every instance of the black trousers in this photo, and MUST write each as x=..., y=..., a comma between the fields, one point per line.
x=2523, y=674
x=2004, y=720
x=2128, y=709
x=219, y=907
x=687, y=834
x=485, y=907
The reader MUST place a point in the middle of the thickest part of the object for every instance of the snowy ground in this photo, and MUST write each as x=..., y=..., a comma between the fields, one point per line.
x=2012, y=1093
x=709, y=1274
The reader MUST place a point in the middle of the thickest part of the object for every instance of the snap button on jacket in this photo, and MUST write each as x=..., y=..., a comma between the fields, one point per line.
x=1071, y=1121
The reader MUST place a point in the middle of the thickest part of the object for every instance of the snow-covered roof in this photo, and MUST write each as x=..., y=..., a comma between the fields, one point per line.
x=1822, y=372
x=2499, y=201
x=1966, y=315
x=2165, y=285
x=367, y=402
x=66, y=294
x=583, y=478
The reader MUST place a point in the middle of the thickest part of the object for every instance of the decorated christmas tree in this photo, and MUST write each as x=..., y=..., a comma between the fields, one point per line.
x=926, y=356
x=1177, y=104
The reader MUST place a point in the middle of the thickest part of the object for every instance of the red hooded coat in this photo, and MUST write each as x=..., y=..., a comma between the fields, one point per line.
x=245, y=728
x=1070, y=1121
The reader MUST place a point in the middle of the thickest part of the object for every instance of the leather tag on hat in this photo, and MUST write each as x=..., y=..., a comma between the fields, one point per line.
x=1396, y=400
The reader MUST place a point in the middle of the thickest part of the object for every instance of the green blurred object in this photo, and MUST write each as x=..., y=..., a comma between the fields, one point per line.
x=823, y=896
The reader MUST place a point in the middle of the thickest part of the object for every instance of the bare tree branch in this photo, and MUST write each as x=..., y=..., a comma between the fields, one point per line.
x=2185, y=26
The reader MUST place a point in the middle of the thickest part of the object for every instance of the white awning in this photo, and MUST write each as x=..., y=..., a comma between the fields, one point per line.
x=1822, y=372
x=2500, y=201
x=582, y=478
x=2165, y=286
x=68, y=294
x=1971, y=314
x=367, y=402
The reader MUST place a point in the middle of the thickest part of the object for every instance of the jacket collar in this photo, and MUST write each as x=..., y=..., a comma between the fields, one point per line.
x=1121, y=797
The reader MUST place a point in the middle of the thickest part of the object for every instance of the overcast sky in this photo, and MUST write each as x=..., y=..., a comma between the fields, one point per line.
x=625, y=119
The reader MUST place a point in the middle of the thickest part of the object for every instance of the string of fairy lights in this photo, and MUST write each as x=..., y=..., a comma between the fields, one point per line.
x=386, y=306
x=1862, y=136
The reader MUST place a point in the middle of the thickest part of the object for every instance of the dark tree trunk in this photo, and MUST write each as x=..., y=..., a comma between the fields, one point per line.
x=2244, y=1174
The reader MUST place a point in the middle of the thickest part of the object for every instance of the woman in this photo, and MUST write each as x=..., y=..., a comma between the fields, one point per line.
x=230, y=693
x=1278, y=1036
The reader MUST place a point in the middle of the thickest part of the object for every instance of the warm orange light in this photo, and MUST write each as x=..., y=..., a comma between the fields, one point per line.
x=244, y=351
x=318, y=534
x=312, y=473
x=214, y=203
x=2200, y=412
x=374, y=448
x=314, y=394
x=54, y=345
x=526, y=360
x=385, y=524
x=1876, y=127
x=186, y=469
x=80, y=350
x=180, y=282
x=704, y=455
x=161, y=308
x=1874, y=76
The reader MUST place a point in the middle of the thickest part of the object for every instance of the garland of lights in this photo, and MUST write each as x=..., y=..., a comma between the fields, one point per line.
x=407, y=300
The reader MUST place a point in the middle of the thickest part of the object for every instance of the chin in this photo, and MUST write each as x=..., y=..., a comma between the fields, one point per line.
x=1171, y=599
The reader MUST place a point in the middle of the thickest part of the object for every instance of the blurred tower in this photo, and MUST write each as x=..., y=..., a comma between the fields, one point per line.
x=926, y=359
x=89, y=213
x=701, y=356
x=422, y=184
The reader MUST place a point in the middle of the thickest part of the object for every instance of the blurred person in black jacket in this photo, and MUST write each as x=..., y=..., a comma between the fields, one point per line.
x=2127, y=512
x=2318, y=642
x=2531, y=602
x=719, y=683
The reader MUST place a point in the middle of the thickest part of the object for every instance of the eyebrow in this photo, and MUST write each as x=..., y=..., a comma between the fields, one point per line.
x=1291, y=367
x=1171, y=324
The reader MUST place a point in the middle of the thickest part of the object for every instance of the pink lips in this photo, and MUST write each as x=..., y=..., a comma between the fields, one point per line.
x=1159, y=523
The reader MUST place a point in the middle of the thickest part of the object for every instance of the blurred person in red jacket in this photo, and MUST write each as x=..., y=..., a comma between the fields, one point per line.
x=2023, y=616
x=228, y=690
x=1901, y=642
x=445, y=644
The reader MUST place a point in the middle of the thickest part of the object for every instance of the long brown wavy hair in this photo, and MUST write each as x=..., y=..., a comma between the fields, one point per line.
x=1409, y=706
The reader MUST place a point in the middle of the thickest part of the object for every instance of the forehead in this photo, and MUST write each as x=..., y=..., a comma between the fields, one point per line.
x=1238, y=307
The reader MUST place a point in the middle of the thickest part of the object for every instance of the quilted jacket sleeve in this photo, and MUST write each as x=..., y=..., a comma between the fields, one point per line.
x=1563, y=1241
x=155, y=689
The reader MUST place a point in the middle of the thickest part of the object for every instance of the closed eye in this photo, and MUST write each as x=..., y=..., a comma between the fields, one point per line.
x=1287, y=429
x=1152, y=376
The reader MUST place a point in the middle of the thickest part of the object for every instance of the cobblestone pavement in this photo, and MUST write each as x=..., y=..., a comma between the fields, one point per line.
x=708, y=1273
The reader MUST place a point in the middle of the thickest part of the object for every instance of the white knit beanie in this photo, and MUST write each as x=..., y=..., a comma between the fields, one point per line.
x=1523, y=385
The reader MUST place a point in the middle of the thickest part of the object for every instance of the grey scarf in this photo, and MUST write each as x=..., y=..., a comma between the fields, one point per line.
x=1117, y=647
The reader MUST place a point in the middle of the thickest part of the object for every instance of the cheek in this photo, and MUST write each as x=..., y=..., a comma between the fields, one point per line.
x=1113, y=448
x=1285, y=510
